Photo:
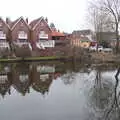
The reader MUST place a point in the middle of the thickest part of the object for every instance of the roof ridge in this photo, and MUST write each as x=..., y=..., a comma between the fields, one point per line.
x=5, y=22
x=17, y=21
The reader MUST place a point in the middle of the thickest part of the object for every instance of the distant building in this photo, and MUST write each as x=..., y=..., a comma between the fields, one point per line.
x=83, y=42
x=57, y=35
x=109, y=37
x=81, y=38
x=87, y=33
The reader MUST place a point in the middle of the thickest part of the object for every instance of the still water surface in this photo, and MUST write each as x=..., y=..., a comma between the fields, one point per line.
x=58, y=91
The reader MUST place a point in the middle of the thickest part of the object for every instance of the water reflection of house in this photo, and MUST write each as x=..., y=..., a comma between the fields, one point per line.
x=21, y=79
x=5, y=83
x=41, y=79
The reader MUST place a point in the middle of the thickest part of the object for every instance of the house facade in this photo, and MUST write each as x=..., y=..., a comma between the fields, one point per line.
x=20, y=31
x=81, y=38
x=87, y=33
x=40, y=31
x=106, y=37
x=34, y=35
x=4, y=34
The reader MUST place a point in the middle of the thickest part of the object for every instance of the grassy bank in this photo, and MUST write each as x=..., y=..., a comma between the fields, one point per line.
x=20, y=59
x=88, y=57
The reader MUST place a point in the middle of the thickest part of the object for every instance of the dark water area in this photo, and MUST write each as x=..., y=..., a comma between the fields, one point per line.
x=59, y=91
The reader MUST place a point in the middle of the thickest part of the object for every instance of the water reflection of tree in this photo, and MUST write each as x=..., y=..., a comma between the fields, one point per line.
x=100, y=94
x=105, y=97
x=113, y=112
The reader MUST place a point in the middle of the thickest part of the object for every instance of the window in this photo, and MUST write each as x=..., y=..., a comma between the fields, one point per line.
x=2, y=35
x=42, y=32
x=0, y=24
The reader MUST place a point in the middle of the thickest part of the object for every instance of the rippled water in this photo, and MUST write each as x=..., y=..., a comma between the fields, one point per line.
x=58, y=91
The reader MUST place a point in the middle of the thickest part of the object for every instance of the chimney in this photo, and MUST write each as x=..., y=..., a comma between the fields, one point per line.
x=46, y=19
x=26, y=20
x=8, y=21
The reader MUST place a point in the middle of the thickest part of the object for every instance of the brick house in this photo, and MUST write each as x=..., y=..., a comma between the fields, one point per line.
x=87, y=33
x=81, y=38
x=20, y=31
x=4, y=34
x=40, y=31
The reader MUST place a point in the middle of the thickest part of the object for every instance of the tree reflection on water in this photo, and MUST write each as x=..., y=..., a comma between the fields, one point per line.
x=113, y=112
x=105, y=97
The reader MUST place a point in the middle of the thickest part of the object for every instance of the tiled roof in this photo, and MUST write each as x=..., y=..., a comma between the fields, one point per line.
x=55, y=33
x=84, y=39
x=14, y=23
x=34, y=22
x=4, y=22
x=82, y=32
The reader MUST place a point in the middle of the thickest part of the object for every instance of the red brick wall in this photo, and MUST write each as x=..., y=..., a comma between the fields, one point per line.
x=21, y=26
x=43, y=27
x=5, y=29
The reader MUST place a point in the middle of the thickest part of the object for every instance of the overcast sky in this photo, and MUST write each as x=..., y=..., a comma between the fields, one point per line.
x=67, y=15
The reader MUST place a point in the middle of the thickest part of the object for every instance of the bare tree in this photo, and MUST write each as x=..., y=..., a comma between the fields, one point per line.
x=101, y=21
x=112, y=9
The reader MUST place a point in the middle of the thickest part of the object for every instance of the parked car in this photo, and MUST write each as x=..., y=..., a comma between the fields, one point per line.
x=92, y=48
x=108, y=50
x=100, y=48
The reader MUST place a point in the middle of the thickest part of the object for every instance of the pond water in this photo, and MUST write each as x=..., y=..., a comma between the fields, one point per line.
x=58, y=91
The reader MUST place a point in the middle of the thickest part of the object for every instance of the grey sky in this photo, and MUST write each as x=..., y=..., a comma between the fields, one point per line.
x=67, y=15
